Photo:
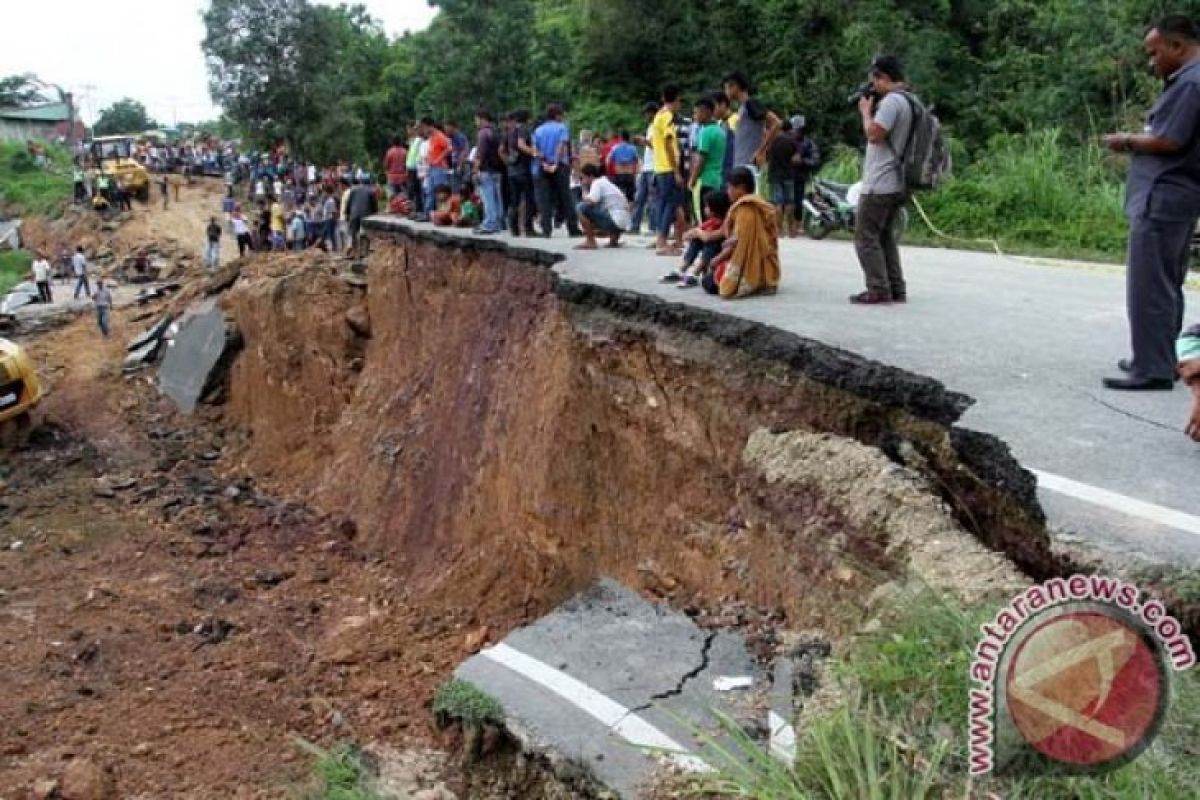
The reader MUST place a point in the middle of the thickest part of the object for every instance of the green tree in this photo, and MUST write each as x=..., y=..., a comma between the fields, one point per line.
x=251, y=49
x=124, y=116
x=19, y=90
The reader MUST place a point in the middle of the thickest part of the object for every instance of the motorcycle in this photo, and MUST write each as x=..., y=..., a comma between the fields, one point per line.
x=833, y=206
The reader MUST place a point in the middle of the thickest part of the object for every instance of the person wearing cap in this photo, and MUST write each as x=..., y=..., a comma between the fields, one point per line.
x=887, y=120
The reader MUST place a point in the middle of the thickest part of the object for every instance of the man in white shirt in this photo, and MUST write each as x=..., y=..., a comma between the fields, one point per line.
x=79, y=266
x=643, y=201
x=41, y=276
x=604, y=210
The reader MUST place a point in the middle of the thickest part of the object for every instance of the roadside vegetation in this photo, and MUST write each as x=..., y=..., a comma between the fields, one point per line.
x=1036, y=195
x=900, y=733
x=29, y=189
x=339, y=774
x=14, y=268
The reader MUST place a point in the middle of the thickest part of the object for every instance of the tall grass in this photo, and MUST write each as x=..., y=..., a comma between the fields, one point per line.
x=1035, y=194
x=27, y=188
x=14, y=268
x=901, y=731
x=339, y=774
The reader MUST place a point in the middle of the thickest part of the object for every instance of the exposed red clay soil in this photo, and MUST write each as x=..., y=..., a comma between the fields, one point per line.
x=503, y=448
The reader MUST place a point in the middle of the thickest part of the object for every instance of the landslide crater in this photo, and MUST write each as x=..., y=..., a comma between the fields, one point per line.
x=505, y=436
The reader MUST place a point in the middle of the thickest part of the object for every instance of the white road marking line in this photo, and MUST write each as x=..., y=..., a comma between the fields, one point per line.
x=783, y=738
x=1130, y=506
x=607, y=711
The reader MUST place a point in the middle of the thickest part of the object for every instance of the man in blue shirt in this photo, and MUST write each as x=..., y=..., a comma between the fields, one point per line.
x=552, y=172
x=1162, y=203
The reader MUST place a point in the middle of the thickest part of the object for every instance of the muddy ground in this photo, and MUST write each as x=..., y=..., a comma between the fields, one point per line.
x=162, y=618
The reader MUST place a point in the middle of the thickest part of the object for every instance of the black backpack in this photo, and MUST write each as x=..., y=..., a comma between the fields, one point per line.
x=925, y=159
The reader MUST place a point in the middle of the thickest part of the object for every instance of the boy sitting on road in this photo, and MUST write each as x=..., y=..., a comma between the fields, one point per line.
x=604, y=209
x=704, y=243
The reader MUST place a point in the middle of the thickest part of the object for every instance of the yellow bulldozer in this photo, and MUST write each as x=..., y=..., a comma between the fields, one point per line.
x=20, y=392
x=114, y=157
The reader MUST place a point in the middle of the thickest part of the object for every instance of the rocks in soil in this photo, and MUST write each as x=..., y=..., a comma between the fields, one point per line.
x=270, y=578
x=83, y=779
x=359, y=321
x=211, y=631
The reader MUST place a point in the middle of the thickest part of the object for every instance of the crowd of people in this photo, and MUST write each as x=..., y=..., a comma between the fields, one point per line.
x=716, y=189
x=285, y=206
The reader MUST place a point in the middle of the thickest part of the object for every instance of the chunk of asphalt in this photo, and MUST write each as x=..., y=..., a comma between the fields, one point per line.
x=193, y=355
x=153, y=334
x=608, y=683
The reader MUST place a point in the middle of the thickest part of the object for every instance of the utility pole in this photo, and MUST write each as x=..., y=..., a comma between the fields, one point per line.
x=70, y=98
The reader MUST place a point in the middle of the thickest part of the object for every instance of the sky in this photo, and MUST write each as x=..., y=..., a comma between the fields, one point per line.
x=151, y=50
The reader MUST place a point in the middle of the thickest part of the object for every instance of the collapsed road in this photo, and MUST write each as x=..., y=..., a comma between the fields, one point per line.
x=1028, y=341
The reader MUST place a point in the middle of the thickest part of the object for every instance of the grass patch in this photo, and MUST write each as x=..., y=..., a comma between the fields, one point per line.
x=462, y=701
x=14, y=268
x=339, y=774
x=29, y=189
x=1036, y=195
x=902, y=733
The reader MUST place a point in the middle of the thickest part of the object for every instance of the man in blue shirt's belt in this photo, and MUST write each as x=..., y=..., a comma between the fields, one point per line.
x=1162, y=203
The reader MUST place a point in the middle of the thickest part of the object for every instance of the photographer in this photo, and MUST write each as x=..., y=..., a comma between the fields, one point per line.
x=887, y=120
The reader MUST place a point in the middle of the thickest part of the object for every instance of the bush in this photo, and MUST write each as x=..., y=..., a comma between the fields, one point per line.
x=461, y=701
x=26, y=188
x=21, y=162
x=339, y=774
x=14, y=267
x=1035, y=194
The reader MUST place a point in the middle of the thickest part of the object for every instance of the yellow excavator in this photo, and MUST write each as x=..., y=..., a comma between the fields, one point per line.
x=20, y=391
x=114, y=156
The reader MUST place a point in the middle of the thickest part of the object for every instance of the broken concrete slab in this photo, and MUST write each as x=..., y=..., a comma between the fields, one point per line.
x=10, y=234
x=141, y=357
x=196, y=350
x=21, y=295
x=610, y=684
x=156, y=293
x=153, y=334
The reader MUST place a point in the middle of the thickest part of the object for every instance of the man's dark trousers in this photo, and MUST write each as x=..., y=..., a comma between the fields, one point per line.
x=554, y=190
x=520, y=190
x=1158, y=267
x=875, y=242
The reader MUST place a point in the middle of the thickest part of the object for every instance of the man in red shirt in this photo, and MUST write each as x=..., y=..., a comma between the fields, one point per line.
x=438, y=159
x=395, y=164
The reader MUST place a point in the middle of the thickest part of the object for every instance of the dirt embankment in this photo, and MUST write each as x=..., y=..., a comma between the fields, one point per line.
x=504, y=437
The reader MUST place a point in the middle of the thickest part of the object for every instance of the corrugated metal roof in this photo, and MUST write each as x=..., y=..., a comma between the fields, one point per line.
x=50, y=112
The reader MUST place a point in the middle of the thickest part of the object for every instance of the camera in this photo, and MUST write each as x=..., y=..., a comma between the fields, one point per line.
x=865, y=90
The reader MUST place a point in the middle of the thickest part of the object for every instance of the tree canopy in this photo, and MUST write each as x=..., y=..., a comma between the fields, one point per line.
x=328, y=80
x=124, y=116
x=19, y=90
